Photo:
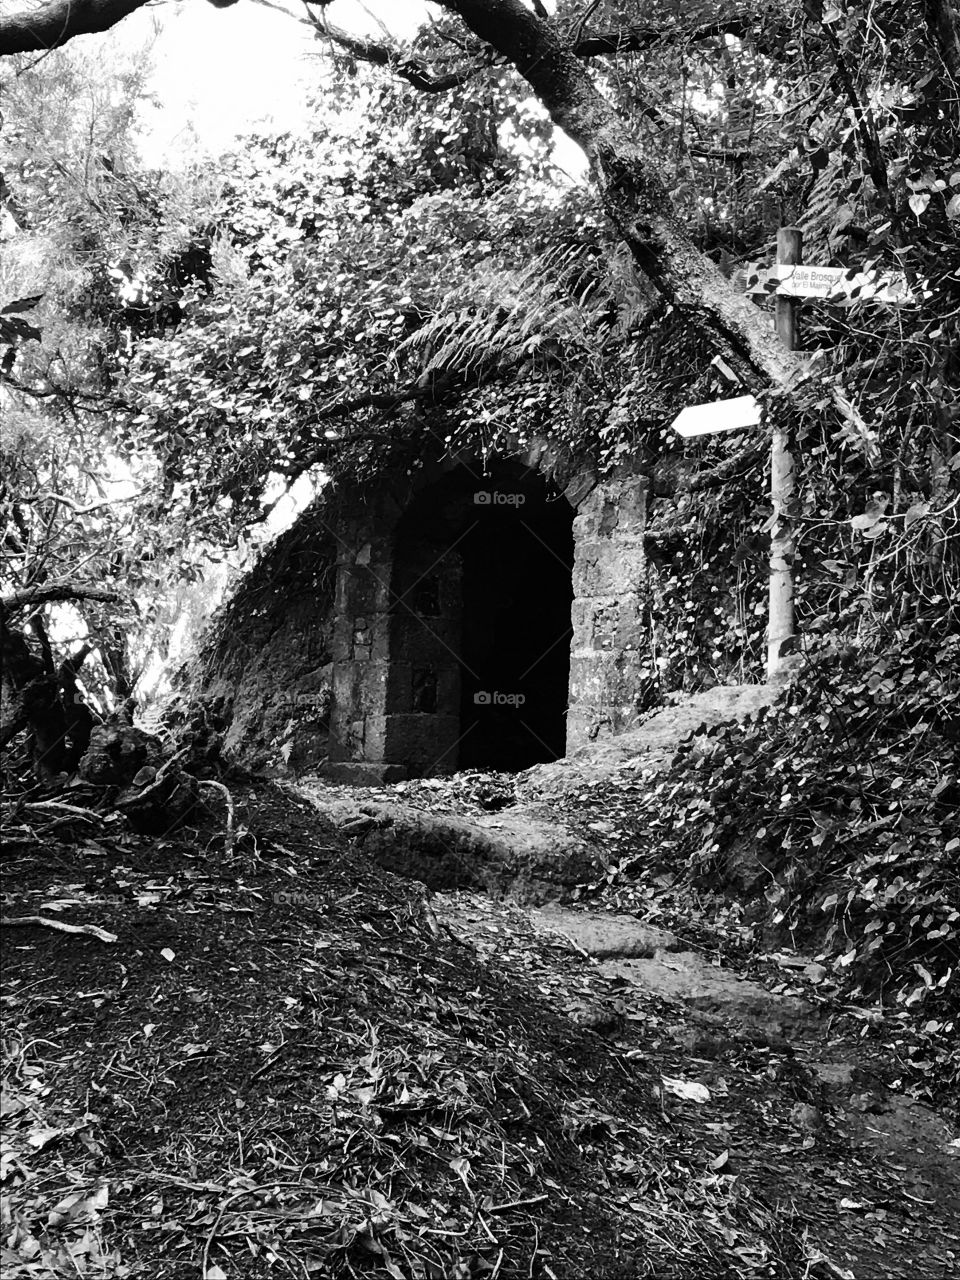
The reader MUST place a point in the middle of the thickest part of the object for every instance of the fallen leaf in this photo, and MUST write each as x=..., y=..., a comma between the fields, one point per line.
x=42, y=1137
x=79, y=1206
x=688, y=1089
x=11, y=1104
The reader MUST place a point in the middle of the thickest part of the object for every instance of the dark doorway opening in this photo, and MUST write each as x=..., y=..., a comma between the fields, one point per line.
x=480, y=635
x=517, y=558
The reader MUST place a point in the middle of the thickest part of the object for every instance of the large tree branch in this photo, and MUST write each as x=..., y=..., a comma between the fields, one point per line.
x=382, y=401
x=634, y=195
x=56, y=22
x=54, y=593
x=621, y=40
x=635, y=39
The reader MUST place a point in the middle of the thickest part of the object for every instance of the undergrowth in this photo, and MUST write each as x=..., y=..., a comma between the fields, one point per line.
x=831, y=820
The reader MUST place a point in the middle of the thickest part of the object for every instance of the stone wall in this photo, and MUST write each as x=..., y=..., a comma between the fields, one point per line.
x=267, y=664
x=610, y=632
x=360, y=648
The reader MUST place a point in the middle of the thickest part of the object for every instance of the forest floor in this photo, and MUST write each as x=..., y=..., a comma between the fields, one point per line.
x=292, y=1062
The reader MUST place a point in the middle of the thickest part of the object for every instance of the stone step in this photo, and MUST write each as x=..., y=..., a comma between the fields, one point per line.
x=605, y=936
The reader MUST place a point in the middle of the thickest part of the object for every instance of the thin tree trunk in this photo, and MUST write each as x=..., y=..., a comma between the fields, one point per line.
x=943, y=18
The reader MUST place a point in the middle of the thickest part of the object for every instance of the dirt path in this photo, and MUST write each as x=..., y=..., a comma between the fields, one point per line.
x=774, y=1082
x=783, y=1094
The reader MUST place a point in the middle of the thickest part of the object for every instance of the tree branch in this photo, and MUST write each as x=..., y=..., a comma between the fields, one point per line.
x=866, y=125
x=58, y=21
x=417, y=72
x=55, y=22
x=70, y=667
x=731, y=468
x=54, y=593
x=76, y=507
x=413, y=70
x=634, y=195
x=635, y=39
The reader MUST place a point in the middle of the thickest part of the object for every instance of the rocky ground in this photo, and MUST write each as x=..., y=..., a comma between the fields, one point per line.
x=265, y=1054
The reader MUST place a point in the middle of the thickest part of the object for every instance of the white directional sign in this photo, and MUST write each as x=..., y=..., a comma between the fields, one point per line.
x=821, y=282
x=721, y=415
x=837, y=283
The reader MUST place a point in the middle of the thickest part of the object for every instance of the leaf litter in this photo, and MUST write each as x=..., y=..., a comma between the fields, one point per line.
x=291, y=1062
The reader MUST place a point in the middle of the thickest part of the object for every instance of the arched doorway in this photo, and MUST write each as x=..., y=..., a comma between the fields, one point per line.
x=479, y=637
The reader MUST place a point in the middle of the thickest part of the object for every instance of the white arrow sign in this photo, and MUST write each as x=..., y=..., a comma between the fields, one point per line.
x=839, y=284
x=721, y=415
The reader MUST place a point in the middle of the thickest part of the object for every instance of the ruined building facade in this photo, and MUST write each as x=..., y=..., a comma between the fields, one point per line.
x=464, y=615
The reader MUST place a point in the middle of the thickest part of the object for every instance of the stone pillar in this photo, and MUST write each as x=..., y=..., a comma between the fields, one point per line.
x=609, y=631
x=360, y=648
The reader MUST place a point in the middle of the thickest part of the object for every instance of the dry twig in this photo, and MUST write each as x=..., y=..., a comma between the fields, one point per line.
x=93, y=930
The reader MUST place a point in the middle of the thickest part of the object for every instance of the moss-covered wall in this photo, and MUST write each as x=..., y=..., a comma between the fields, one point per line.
x=266, y=664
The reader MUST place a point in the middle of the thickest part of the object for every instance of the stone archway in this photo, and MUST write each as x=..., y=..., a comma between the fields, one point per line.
x=460, y=593
x=479, y=630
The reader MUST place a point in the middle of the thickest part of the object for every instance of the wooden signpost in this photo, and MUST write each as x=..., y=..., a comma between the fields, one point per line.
x=796, y=280
x=781, y=622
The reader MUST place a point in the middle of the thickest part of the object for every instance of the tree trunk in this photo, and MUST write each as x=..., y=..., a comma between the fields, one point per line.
x=943, y=19
x=21, y=669
x=634, y=197
x=48, y=705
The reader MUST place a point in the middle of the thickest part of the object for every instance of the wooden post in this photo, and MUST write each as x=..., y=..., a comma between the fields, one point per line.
x=783, y=482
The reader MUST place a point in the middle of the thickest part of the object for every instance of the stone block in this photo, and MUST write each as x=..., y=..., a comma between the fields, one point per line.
x=317, y=681
x=608, y=566
x=615, y=508
x=580, y=487
x=605, y=688
x=375, y=737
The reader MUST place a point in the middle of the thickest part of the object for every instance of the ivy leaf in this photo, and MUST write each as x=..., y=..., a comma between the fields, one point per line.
x=865, y=521
x=22, y=304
